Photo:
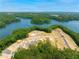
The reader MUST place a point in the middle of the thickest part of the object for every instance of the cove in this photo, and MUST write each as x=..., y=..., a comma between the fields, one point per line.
x=72, y=25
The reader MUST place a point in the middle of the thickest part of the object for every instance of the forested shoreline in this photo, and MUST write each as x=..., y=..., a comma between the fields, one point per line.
x=6, y=19
x=36, y=18
x=23, y=33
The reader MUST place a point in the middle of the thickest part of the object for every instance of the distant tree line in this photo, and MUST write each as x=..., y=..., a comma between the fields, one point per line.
x=36, y=18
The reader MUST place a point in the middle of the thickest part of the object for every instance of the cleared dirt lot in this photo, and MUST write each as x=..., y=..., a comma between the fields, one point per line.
x=57, y=38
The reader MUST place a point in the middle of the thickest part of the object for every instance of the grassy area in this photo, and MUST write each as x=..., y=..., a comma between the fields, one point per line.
x=23, y=33
x=45, y=50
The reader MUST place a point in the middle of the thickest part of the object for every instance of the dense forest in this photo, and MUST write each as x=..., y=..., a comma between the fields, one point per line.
x=40, y=20
x=7, y=19
x=37, y=18
x=44, y=50
x=45, y=18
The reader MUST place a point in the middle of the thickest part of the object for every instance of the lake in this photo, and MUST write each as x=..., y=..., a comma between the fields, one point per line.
x=73, y=25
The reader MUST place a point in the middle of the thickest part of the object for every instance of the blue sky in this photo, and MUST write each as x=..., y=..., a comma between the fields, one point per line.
x=39, y=5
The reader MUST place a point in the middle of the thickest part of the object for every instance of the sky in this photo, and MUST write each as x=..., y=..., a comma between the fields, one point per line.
x=39, y=5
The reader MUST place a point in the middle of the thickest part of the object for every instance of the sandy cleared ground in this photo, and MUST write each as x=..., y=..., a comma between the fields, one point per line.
x=57, y=38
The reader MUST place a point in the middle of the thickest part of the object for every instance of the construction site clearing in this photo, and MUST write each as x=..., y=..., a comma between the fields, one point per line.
x=57, y=38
